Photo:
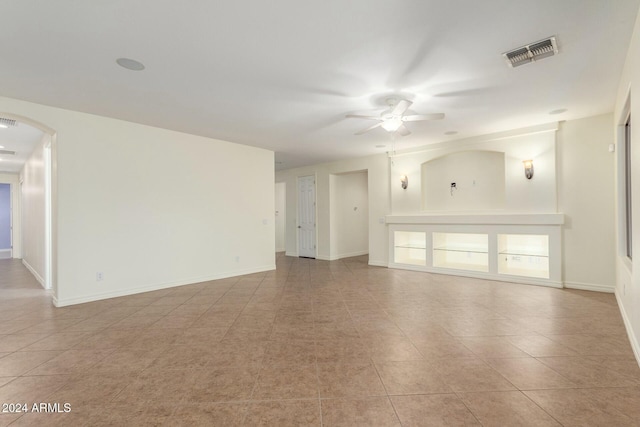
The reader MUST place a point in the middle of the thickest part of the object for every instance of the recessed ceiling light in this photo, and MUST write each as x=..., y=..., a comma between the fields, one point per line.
x=558, y=111
x=451, y=132
x=1, y=147
x=3, y=126
x=130, y=64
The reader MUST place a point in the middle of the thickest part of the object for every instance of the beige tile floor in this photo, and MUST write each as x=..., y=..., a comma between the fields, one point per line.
x=319, y=343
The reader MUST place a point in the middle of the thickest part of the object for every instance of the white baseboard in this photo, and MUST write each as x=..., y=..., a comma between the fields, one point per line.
x=340, y=256
x=378, y=263
x=290, y=254
x=352, y=254
x=630, y=333
x=38, y=277
x=5, y=253
x=63, y=302
x=590, y=287
x=479, y=275
x=280, y=249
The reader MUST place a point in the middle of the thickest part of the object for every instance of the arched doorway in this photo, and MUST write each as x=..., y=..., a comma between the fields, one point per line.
x=33, y=205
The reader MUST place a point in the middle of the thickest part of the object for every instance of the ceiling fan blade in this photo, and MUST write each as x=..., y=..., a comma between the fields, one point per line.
x=357, y=116
x=368, y=129
x=402, y=130
x=401, y=107
x=418, y=117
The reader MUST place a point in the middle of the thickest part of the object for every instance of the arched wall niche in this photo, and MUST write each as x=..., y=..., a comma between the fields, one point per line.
x=464, y=181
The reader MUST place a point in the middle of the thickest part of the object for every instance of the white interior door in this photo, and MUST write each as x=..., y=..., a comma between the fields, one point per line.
x=307, y=216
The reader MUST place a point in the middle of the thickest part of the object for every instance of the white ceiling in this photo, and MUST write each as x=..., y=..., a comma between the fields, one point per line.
x=282, y=74
x=22, y=139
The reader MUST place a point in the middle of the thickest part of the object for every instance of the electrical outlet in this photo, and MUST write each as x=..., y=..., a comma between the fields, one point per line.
x=99, y=276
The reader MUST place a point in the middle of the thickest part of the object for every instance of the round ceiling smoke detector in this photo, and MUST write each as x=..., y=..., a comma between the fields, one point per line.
x=130, y=64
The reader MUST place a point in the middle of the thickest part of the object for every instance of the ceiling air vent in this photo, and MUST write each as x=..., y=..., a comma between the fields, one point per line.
x=531, y=52
x=7, y=122
x=8, y=152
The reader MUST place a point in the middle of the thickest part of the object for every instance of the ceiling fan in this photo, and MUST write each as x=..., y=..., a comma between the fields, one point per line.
x=392, y=120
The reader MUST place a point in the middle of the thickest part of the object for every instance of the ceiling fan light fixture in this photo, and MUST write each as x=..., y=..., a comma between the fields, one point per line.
x=6, y=123
x=392, y=124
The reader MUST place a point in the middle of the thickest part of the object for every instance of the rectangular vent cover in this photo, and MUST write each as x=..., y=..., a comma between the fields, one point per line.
x=531, y=52
x=8, y=152
x=7, y=122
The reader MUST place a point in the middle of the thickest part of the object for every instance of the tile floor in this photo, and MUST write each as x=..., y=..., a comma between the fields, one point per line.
x=319, y=343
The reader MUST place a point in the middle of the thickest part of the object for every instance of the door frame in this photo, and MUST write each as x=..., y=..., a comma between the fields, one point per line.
x=51, y=207
x=315, y=214
x=281, y=215
x=12, y=208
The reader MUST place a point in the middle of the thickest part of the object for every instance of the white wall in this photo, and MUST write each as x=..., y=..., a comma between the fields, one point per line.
x=378, y=204
x=558, y=185
x=32, y=178
x=479, y=178
x=628, y=273
x=13, y=181
x=586, y=197
x=152, y=208
x=521, y=195
x=349, y=215
x=281, y=215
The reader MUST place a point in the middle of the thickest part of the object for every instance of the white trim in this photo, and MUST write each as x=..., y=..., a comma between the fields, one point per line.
x=38, y=277
x=627, y=324
x=280, y=249
x=548, y=127
x=590, y=287
x=124, y=292
x=294, y=254
x=497, y=218
x=479, y=275
x=5, y=254
x=348, y=255
x=378, y=263
x=352, y=254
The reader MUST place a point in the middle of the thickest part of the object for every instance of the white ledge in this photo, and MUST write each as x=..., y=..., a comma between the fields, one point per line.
x=519, y=219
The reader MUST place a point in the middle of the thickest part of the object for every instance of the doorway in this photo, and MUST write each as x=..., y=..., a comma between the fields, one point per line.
x=29, y=164
x=349, y=214
x=307, y=216
x=5, y=222
x=280, y=202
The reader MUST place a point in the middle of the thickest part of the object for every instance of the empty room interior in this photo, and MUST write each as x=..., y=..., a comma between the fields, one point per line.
x=356, y=213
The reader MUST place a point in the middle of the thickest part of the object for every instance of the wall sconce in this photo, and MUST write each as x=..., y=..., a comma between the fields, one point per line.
x=404, y=180
x=528, y=168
